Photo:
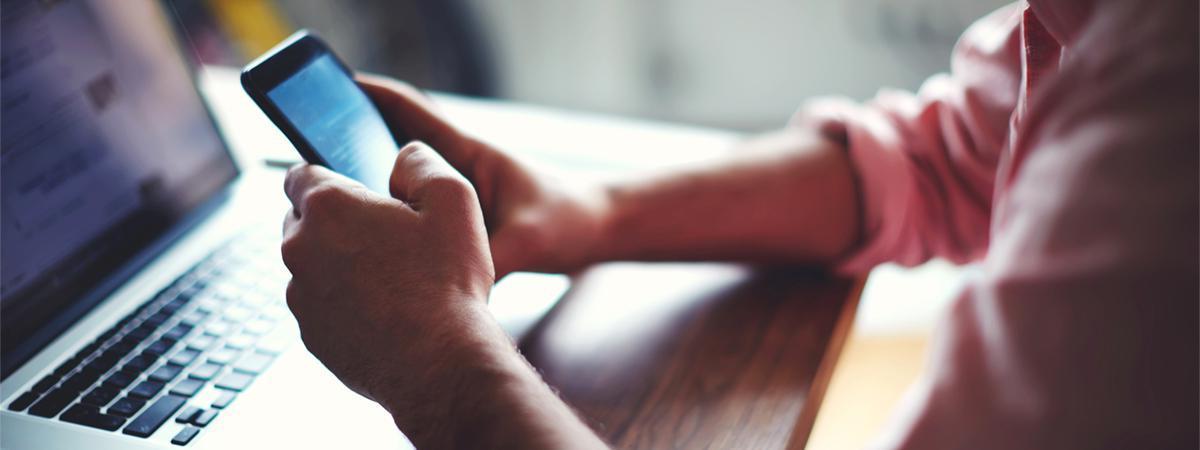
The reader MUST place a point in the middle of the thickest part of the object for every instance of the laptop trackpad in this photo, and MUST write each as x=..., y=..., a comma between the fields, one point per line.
x=300, y=404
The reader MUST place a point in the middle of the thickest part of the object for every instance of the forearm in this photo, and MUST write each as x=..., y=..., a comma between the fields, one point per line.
x=785, y=197
x=483, y=394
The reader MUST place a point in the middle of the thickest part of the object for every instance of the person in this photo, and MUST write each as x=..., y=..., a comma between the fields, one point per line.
x=1060, y=152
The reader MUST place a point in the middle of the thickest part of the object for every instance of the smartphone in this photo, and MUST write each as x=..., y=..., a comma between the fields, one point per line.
x=310, y=94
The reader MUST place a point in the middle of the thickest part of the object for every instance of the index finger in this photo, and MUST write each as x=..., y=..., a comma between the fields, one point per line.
x=302, y=178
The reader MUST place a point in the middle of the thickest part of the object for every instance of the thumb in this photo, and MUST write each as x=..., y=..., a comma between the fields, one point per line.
x=413, y=116
x=424, y=180
x=506, y=252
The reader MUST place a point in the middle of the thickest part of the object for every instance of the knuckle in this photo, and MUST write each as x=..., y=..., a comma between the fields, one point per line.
x=294, y=177
x=407, y=152
x=324, y=197
x=292, y=294
x=449, y=186
x=293, y=173
x=289, y=251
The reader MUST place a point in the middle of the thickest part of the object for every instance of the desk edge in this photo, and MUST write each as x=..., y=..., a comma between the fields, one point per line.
x=816, y=394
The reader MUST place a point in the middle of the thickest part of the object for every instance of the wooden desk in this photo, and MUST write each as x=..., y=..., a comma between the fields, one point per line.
x=651, y=355
x=688, y=356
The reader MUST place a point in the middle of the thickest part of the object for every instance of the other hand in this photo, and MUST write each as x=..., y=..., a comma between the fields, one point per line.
x=534, y=221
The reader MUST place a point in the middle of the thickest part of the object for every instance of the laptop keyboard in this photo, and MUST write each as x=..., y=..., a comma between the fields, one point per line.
x=185, y=353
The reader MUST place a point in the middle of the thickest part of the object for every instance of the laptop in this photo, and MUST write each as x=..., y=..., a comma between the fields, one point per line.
x=142, y=291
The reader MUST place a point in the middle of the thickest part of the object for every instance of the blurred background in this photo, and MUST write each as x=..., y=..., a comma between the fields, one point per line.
x=744, y=65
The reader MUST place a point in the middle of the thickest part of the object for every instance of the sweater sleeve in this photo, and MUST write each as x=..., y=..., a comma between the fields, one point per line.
x=1080, y=331
x=926, y=162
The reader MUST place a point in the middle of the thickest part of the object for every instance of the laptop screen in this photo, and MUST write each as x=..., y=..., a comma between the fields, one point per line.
x=105, y=144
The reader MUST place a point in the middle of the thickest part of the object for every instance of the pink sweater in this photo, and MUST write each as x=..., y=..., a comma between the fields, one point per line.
x=1061, y=152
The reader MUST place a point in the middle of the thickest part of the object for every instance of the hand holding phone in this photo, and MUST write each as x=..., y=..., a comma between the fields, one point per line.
x=310, y=94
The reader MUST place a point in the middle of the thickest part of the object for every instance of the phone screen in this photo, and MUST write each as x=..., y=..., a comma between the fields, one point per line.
x=338, y=121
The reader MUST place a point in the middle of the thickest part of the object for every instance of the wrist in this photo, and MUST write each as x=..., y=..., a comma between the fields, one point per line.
x=481, y=393
x=599, y=210
x=467, y=357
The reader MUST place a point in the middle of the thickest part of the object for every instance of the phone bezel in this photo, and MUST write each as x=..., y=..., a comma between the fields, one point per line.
x=276, y=66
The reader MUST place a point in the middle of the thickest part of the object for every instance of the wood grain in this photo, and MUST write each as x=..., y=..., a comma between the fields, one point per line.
x=694, y=355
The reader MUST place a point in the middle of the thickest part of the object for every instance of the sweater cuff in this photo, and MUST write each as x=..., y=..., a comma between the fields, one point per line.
x=884, y=184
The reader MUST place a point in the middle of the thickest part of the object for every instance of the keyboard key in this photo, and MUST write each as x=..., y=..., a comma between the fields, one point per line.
x=99, y=365
x=187, y=387
x=100, y=396
x=87, y=350
x=194, y=318
x=227, y=292
x=205, y=417
x=184, y=357
x=115, y=353
x=85, y=378
x=224, y=355
x=165, y=372
x=254, y=363
x=45, y=384
x=140, y=363
x=224, y=399
x=154, y=416
x=207, y=305
x=178, y=331
x=202, y=342
x=259, y=326
x=145, y=306
x=127, y=406
x=241, y=341
x=128, y=341
x=67, y=366
x=159, y=318
x=143, y=331
x=146, y=389
x=92, y=417
x=53, y=402
x=218, y=328
x=198, y=284
x=120, y=379
x=77, y=383
x=178, y=303
x=111, y=350
x=187, y=288
x=185, y=435
x=80, y=381
x=188, y=413
x=235, y=381
x=124, y=346
x=23, y=401
x=160, y=347
x=205, y=371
